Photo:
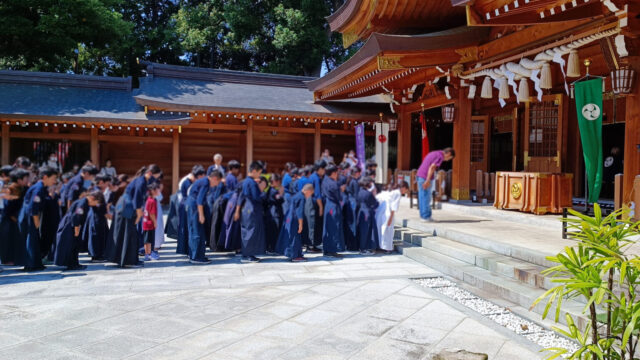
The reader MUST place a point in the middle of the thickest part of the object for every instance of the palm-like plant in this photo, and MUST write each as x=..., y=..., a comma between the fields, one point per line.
x=598, y=270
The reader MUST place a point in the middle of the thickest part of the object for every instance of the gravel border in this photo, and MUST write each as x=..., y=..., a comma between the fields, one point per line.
x=499, y=314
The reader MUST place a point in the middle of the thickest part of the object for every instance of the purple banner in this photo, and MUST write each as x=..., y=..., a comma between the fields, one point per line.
x=360, y=146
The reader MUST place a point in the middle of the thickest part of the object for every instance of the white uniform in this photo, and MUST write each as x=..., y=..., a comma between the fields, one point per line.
x=389, y=201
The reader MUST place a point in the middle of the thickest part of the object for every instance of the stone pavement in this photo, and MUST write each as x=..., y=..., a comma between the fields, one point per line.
x=352, y=308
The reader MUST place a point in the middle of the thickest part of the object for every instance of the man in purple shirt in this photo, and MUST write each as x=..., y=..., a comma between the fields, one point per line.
x=426, y=175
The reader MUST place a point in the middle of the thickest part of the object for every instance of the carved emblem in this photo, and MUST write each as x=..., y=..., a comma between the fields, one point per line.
x=516, y=190
x=468, y=54
x=389, y=62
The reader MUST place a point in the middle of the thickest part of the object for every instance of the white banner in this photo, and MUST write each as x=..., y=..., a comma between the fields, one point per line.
x=382, y=152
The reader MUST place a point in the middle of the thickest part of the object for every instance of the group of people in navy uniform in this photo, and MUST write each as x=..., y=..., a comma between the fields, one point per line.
x=49, y=219
x=316, y=208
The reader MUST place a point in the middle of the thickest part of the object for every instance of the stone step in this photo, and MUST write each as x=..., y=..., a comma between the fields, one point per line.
x=523, y=271
x=482, y=242
x=506, y=288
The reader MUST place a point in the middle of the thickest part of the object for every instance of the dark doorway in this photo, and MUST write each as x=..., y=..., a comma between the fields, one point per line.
x=501, y=152
x=440, y=136
x=613, y=153
x=38, y=151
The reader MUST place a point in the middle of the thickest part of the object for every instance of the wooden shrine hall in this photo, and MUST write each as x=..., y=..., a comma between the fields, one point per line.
x=178, y=117
x=494, y=79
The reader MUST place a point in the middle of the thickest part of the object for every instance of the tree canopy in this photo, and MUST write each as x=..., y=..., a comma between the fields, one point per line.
x=106, y=37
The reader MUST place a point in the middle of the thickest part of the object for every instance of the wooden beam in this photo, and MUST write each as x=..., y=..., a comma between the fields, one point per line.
x=404, y=141
x=460, y=179
x=344, y=132
x=429, y=103
x=126, y=138
x=518, y=42
x=591, y=31
x=94, y=147
x=249, y=144
x=50, y=136
x=6, y=143
x=175, y=162
x=317, y=138
x=283, y=129
x=229, y=127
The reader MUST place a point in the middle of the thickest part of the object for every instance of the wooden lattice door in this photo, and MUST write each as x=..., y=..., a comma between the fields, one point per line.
x=544, y=124
x=480, y=132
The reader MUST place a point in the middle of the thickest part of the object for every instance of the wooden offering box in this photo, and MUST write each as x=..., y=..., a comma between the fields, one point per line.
x=538, y=193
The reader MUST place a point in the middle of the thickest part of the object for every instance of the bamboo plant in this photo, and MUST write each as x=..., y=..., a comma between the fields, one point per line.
x=599, y=270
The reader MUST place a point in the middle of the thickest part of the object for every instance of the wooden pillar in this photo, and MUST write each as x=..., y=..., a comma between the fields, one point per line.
x=317, y=138
x=404, y=141
x=249, y=143
x=631, y=144
x=95, y=158
x=6, y=144
x=175, y=162
x=460, y=179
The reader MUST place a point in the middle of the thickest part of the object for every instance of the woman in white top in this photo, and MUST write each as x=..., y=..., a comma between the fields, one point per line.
x=385, y=215
x=108, y=169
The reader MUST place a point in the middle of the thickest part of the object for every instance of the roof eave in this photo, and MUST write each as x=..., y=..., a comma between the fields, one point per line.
x=193, y=108
x=115, y=121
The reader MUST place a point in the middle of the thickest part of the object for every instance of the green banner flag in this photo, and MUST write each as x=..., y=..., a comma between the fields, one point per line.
x=589, y=106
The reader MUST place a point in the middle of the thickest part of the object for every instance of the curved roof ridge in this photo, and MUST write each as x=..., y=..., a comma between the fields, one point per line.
x=223, y=75
x=64, y=80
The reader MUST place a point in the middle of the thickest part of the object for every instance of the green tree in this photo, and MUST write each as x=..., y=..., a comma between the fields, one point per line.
x=61, y=35
x=153, y=35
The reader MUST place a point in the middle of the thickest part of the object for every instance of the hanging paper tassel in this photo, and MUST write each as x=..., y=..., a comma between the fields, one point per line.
x=546, y=82
x=472, y=91
x=573, y=66
x=523, y=90
x=504, y=89
x=487, y=92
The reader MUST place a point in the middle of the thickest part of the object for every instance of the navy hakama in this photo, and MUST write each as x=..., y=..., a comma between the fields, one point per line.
x=95, y=231
x=183, y=221
x=197, y=236
x=173, y=222
x=273, y=216
x=125, y=230
x=12, y=243
x=367, y=230
x=32, y=206
x=67, y=243
x=230, y=238
x=350, y=215
x=333, y=232
x=218, y=231
x=251, y=219
x=289, y=241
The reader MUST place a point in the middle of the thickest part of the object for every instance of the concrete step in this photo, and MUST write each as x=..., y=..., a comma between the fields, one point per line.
x=523, y=271
x=506, y=288
x=481, y=242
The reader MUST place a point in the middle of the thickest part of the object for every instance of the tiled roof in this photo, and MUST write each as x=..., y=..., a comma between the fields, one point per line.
x=186, y=88
x=65, y=97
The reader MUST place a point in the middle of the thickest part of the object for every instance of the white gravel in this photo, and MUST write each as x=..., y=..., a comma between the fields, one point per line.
x=516, y=324
x=482, y=306
x=499, y=314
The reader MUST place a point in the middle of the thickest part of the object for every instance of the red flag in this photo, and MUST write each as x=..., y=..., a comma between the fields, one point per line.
x=425, y=138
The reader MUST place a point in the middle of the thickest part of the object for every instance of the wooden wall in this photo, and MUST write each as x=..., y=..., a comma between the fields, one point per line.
x=198, y=146
x=128, y=157
x=276, y=150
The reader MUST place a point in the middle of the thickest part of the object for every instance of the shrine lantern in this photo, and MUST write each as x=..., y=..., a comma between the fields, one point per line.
x=448, y=113
x=393, y=124
x=622, y=80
